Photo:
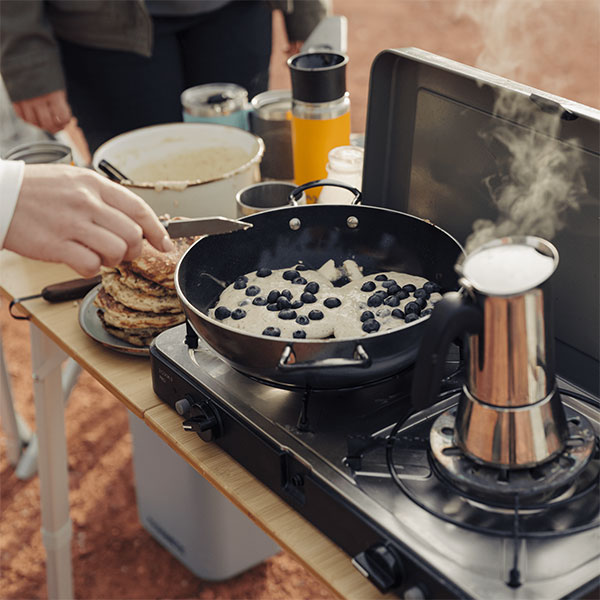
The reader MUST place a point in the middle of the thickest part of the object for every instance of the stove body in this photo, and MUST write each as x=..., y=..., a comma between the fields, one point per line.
x=347, y=459
x=325, y=454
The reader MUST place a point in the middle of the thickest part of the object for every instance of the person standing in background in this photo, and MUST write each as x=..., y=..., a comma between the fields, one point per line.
x=118, y=65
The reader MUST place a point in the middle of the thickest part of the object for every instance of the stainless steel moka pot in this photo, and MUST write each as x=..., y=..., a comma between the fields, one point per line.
x=510, y=414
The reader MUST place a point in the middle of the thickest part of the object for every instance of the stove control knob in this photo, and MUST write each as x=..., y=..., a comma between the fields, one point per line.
x=204, y=420
x=183, y=407
x=381, y=563
x=414, y=593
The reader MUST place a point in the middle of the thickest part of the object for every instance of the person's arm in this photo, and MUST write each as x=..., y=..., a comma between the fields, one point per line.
x=30, y=65
x=75, y=216
x=11, y=177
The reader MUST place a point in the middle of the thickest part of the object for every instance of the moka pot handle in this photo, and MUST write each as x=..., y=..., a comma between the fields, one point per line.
x=453, y=316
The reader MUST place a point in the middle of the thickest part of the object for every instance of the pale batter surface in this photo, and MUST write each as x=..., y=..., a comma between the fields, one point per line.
x=299, y=303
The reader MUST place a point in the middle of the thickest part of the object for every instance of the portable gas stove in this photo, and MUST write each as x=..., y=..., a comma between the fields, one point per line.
x=341, y=460
x=415, y=515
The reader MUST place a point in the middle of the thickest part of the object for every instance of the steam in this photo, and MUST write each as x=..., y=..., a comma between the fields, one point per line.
x=539, y=178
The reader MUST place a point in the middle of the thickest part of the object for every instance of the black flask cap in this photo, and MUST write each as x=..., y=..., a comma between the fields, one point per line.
x=318, y=76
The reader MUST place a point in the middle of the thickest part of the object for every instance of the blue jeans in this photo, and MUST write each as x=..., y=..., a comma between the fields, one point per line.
x=112, y=92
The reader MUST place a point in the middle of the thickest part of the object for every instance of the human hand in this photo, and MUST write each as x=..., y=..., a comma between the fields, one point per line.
x=50, y=112
x=293, y=48
x=75, y=216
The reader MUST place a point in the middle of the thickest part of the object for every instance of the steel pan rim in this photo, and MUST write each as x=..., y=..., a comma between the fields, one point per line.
x=284, y=342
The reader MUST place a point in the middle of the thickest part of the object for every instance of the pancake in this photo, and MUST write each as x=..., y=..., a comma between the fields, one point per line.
x=139, y=300
x=339, y=302
x=159, y=267
x=117, y=314
x=136, y=282
x=139, y=337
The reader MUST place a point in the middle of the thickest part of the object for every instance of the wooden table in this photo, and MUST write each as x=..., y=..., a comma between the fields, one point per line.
x=55, y=333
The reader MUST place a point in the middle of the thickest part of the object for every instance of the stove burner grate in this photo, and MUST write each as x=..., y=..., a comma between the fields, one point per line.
x=567, y=512
x=533, y=485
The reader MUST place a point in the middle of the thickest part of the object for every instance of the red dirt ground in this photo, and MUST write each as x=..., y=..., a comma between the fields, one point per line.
x=548, y=44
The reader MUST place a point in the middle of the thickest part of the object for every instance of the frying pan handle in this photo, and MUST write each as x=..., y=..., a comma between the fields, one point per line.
x=297, y=193
x=453, y=316
x=363, y=360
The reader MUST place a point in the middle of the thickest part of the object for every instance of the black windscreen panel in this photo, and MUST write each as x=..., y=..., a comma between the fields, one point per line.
x=431, y=151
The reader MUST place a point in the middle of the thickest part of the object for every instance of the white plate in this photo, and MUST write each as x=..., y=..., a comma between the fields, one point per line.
x=92, y=325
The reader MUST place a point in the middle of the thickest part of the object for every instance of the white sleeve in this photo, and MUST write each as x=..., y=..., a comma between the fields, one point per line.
x=11, y=177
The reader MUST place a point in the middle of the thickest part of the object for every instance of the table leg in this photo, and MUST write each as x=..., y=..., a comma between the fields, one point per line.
x=46, y=360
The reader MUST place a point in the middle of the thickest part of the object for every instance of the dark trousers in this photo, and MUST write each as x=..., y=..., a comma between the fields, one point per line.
x=112, y=92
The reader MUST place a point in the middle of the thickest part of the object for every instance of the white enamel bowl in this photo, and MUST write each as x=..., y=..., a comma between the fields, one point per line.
x=195, y=197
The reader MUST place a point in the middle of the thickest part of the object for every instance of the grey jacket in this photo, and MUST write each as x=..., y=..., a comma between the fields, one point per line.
x=29, y=55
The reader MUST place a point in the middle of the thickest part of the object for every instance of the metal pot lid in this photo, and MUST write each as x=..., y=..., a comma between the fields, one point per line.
x=214, y=99
x=273, y=105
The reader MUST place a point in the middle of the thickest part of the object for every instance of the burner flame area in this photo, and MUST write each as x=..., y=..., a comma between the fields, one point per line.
x=554, y=499
x=541, y=483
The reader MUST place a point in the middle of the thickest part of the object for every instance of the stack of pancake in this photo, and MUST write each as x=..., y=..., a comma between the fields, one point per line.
x=137, y=299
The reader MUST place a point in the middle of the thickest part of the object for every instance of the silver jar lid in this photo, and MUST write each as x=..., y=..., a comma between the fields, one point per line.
x=41, y=152
x=214, y=99
x=273, y=105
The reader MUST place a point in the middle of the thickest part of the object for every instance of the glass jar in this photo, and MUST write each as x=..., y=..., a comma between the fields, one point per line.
x=346, y=165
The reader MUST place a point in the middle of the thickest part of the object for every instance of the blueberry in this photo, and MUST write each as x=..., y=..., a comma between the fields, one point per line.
x=299, y=281
x=431, y=287
x=264, y=272
x=381, y=277
x=388, y=283
x=252, y=290
x=240, y=283
x=287, y=314
x=421, y=302
x=283, y=302
x=332, y=302
x=410, y=317
x=426, y=312
x=409, y=287
x=287, y=294
x=222, y=313
x=370, y=326
x=259, y=301
x=402, y=294
x=315, y=315
x=272, y=331
x=308, y=298
x=368, y=286
x=392, y=301
x=302, y=320
x=299, y=334
x=398, y=313
x=412, y=307
x=382, y=293
x=297, y=304
x=301, y=267
x=312, y=287
x=273, y=295
x=394, y=289
x=421, y=293
x=291, y=275
x=367, y=315
x=374, y=300
x=272, y=307
x=238, y=313
x=244, y=303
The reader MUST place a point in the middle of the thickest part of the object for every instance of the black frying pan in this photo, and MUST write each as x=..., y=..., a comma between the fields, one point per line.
x=378, y=239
